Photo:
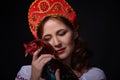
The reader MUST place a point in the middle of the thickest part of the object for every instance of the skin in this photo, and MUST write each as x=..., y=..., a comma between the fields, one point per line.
x=61, y=37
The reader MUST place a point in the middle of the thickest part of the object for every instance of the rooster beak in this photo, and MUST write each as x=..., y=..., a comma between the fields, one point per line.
x=26, y=54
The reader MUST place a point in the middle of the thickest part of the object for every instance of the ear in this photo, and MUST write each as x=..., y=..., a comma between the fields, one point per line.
x=75, y=34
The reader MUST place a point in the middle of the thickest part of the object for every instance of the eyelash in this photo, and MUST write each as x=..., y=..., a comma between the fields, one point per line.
x=62, y=33
x=46, y=39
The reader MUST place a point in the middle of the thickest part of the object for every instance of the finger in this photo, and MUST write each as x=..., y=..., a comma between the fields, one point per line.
x=42, y=62
x=44, y=56
x=57, y=74
x=45, y=60
x=35, y=55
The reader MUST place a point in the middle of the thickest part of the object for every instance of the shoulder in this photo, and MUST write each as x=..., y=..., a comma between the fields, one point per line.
x=24, y=73
x=94, y=73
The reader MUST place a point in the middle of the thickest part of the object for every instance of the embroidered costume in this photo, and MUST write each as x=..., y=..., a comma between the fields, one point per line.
x=92, y=74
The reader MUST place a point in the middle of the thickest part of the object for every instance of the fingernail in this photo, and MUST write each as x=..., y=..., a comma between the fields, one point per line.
x=40, y=49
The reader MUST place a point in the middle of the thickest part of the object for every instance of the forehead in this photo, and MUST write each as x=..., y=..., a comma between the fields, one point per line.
x=53, y=25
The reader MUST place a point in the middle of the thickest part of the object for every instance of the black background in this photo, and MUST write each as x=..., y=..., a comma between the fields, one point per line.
x=98, y=20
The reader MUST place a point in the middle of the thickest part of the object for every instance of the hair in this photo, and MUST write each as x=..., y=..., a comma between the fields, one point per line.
x=81, y=56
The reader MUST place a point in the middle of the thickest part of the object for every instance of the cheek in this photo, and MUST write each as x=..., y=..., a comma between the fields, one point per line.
x=68, y=39
x=69, y=43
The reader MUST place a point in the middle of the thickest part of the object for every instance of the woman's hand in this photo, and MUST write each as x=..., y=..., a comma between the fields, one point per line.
x=38, y=64
x=57, y=74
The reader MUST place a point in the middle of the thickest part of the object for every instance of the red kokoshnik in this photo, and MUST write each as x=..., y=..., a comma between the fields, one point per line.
x=40, y=9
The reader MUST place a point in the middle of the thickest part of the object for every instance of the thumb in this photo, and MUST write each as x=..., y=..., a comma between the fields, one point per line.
x=35, y=55
x=57, y=74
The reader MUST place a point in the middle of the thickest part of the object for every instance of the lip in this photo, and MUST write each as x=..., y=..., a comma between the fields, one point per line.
x=60, y=51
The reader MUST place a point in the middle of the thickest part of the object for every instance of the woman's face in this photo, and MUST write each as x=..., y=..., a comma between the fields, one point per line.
x=60, y=37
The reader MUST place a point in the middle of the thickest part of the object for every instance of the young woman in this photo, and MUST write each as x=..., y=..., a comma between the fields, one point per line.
x=54, y=21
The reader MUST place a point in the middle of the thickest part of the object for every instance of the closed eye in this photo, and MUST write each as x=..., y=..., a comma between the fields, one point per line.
x=61, y=32
x=47, y=37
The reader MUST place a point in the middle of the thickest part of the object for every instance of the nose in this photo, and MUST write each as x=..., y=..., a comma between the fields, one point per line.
x=57, y=42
